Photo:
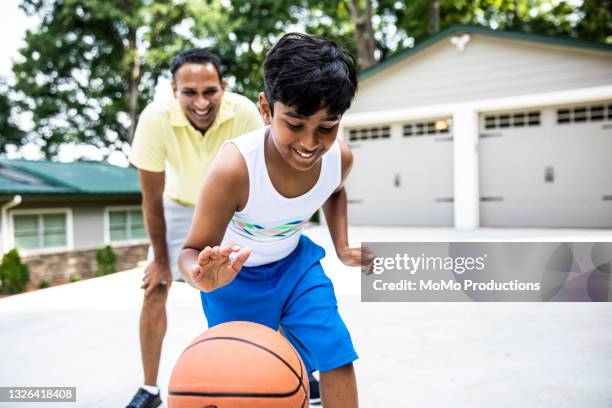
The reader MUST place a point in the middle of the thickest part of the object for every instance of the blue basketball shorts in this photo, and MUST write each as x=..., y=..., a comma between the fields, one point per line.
x=294, y=294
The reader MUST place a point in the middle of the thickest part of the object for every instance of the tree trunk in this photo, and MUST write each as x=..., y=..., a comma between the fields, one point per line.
x=133, y=80
x=434, y=17
x=364, y=36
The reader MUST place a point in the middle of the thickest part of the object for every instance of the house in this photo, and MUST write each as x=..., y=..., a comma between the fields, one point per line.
x=59, y=214
x=482, y=128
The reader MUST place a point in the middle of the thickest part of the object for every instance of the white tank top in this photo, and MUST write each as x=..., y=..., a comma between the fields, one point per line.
x=271, y=224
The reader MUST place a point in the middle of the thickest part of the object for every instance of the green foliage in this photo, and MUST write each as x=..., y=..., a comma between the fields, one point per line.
x=107, y=261
x=75, y=277
x=43, y=284
x=91, y=67
x=241, y=32
x=10, y=132
x=595, y=21
x=542, y=17
x=14, y=274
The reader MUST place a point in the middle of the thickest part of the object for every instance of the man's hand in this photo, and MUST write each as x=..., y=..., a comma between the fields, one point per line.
x=155, y=274
x=215, y=269
x=356, y=257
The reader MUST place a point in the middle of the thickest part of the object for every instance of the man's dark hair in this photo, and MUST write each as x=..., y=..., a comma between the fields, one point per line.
x=309, y=73
x=195, y=56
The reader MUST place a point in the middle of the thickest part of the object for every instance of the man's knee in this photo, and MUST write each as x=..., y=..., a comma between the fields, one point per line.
x=156, y=299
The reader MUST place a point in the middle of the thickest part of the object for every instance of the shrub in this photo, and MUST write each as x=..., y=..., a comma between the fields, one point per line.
x=14, y=274
x=75, y=277
x=43, y=284
x=107, y=261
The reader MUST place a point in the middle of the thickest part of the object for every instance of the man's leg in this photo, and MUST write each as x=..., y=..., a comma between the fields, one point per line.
x=339, y=387
x=153, y=324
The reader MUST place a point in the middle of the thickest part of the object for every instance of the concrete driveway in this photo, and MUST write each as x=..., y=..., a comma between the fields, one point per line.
x=85, y=335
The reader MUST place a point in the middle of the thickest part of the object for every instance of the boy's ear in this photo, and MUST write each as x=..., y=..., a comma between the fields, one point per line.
x=224, y=84
x=173, y=88
x=265, y=109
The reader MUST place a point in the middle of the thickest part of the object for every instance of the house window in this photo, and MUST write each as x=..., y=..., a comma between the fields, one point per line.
x=125, y=225
x=35, y=231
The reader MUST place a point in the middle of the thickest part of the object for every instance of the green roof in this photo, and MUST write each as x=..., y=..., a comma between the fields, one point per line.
x=462, y=28
x=48, y=177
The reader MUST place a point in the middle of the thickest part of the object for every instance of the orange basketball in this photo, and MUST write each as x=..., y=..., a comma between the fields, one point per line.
x=239, y=364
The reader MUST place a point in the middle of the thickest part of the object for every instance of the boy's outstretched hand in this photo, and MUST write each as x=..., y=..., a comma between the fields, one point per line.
x=216, y=269
x=356, y=257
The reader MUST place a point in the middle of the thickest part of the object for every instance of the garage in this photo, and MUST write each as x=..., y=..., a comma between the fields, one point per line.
x=546, y=167
x=482, y=128
x=391, y=184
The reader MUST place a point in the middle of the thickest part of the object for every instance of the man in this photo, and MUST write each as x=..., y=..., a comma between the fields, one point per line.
x=174, y=143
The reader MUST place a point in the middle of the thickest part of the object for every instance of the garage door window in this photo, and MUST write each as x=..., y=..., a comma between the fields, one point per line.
x=582, y=114
x=435, y=127
x=512, y=120
x=371, y=133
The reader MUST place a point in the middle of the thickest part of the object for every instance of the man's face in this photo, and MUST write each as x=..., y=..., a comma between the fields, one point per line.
x=199, y=92
x=300, y=140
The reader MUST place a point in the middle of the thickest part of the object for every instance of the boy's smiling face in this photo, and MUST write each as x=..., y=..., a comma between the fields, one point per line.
x=300, y=140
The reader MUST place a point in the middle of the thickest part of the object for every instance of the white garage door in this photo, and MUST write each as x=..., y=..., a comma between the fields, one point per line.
x=402, y=174
x=547, y=167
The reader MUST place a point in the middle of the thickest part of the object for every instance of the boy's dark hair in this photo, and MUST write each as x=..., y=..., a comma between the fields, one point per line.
x=195, y=56
x=309, y=73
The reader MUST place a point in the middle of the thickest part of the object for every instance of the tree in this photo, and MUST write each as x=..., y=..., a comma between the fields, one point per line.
x=434, y=16
x=364, y=35
x=91, y=66
x=596, y=21
x=240, y=32
x=10, y=133
x=415, y=20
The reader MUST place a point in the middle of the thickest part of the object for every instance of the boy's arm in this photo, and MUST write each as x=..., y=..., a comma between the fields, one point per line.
x=335, y=214
x=202, y=262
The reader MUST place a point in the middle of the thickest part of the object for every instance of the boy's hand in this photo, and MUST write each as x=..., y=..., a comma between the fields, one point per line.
x=356, y=257
x=215, y=269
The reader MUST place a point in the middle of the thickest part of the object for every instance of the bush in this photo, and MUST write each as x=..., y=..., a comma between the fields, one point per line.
x=75, y=277
x=107, y=261
x=43, y=284
x=14, y=274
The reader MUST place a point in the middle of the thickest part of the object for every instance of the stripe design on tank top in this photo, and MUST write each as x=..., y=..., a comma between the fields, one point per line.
x=280, y=229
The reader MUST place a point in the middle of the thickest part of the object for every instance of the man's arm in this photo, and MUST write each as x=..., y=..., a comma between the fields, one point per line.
x=158, y=271
x=203, y=263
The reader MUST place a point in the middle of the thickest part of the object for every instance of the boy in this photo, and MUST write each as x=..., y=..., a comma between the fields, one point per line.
x=245, y=251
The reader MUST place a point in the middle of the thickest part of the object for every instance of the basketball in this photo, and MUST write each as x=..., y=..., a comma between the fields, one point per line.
x=239, y=364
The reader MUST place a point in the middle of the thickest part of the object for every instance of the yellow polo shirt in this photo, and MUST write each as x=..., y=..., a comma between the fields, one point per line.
x=165, y=141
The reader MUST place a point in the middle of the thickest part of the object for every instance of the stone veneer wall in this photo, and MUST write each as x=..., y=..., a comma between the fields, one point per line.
x=58, y=267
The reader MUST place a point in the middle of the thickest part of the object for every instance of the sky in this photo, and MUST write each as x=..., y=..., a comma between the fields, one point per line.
x=13, y=25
